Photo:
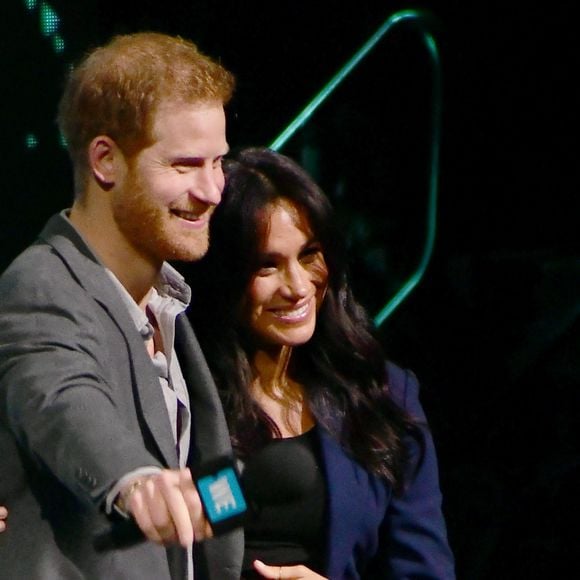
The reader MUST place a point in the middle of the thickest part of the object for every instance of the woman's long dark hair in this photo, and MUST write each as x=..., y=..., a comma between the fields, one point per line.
x=342, y=368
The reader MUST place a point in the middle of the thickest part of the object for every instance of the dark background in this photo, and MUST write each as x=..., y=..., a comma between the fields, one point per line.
x=492, y=330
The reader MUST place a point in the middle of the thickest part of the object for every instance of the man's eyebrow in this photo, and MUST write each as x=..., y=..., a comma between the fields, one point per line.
x=193, y=160
x=187, y=160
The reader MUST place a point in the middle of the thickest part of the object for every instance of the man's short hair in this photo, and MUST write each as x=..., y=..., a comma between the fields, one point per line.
x=117, y=88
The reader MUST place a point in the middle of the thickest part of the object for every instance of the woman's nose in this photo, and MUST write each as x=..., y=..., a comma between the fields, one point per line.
x=296, y=282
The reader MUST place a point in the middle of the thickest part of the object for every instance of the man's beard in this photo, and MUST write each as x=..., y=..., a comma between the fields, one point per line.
x=152, y=230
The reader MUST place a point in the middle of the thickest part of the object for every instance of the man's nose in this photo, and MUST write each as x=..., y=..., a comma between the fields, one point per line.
x=208, y=185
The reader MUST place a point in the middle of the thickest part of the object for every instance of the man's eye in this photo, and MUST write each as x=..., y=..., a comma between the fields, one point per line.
x=311, y=253
x=187, y=164
x=182, y=167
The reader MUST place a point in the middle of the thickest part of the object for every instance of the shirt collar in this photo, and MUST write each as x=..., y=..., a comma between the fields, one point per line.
x=172, y=284
x=170, y=288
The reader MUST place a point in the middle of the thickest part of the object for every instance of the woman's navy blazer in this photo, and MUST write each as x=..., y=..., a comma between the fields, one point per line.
x=371, y=532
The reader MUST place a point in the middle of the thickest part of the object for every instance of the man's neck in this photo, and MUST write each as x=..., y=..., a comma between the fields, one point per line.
x=137, y=273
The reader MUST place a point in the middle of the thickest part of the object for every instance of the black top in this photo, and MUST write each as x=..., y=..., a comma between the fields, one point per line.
x=285, y=487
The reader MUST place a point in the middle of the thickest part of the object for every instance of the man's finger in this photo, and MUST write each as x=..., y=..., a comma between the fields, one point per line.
x=172, y=508
x=139, y=508
x=201, y=526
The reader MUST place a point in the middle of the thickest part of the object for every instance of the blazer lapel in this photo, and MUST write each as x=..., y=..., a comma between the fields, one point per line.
x=355, y=502
x=211, y=437
x=91, y=275
x=343, y=511
x=220, y=557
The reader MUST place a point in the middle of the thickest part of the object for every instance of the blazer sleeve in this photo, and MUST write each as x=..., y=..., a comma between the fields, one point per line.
x=413, y=535
x=57, y=391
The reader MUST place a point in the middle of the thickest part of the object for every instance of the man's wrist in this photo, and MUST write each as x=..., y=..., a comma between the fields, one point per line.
x=124, y=483
x=124, y=497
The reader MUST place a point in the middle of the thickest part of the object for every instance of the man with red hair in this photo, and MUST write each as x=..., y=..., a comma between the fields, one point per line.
x=105, y=398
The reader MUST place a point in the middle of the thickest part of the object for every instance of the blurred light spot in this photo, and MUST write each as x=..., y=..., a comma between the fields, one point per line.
x=49, y=19
x=31, y=141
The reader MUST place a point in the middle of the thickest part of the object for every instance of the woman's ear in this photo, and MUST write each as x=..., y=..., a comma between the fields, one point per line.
x=104, y=156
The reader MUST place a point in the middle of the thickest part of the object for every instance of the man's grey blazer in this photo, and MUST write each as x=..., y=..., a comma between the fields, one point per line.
x=80, y=406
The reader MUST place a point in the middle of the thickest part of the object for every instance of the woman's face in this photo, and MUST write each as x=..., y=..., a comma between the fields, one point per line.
x=287, y=289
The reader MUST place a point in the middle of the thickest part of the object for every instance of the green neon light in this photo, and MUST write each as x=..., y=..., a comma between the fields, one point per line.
x=49, y=20
x=58, y=43
x=431, y=220
x=49, y=24
x=307, y=112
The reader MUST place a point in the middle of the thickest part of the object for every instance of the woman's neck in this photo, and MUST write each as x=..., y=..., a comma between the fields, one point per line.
x=281, y=397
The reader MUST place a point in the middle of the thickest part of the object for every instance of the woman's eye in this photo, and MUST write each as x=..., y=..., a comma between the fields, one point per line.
x=266, y=268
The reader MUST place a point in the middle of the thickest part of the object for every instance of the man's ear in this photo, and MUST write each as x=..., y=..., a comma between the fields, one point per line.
x=104, y=157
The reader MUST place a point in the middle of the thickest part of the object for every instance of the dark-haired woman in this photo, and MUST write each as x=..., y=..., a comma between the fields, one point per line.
x=338, y=462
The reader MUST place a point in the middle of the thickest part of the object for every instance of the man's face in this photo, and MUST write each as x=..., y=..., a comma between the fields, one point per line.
x=163, y=203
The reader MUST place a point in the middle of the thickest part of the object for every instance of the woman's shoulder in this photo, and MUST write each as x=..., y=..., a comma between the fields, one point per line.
x=403, y=385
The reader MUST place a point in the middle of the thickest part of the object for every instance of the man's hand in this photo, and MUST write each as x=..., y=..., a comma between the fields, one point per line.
x=167, y=508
